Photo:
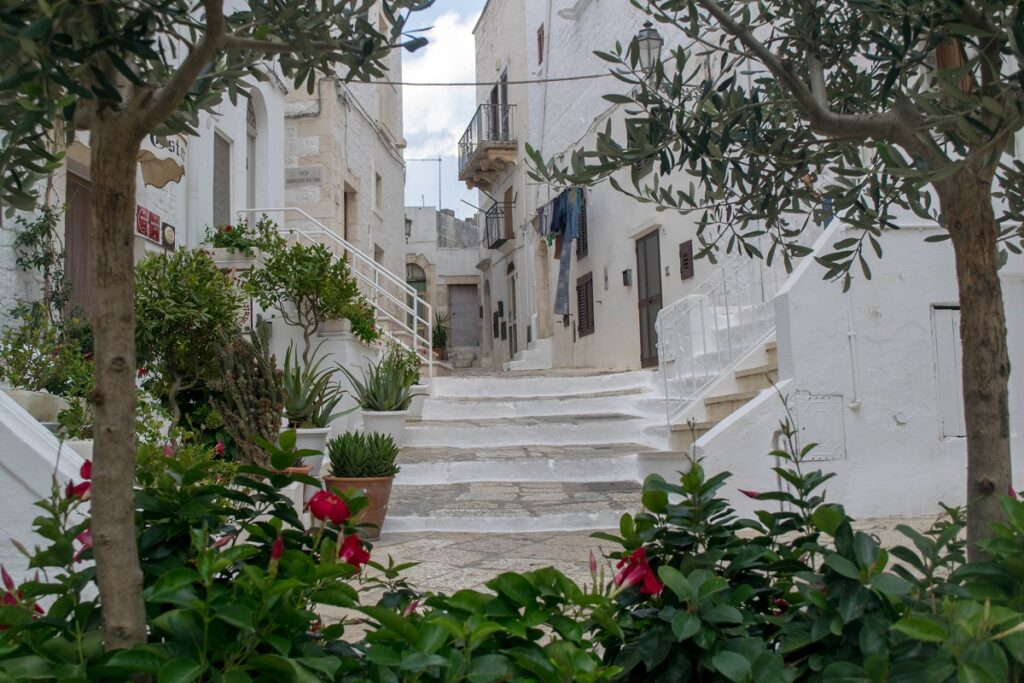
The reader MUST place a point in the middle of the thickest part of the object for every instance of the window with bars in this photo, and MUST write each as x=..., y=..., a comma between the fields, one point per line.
x=585, y=304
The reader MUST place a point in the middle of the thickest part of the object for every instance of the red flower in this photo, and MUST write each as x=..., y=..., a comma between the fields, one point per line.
x=410, y=608
x=326, y=505
x=12, y=596
x=781, y=605
x=750, y=494
x=77, y=490
x=351, y=551
x=143, y=372
x=1011, y=492
x=219, y=448
x=228, y=228
x=277, y=549
x=85, y=538
x=86, y=471
x=223, y=540
x=635, y=570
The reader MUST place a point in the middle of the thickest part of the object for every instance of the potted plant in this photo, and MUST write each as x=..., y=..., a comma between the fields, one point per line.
x=308, y=286
x=310, y=398
x=410, y=362
x=240, y=246
x=384, y=396
x=365, y=462
x=31, y=357
x=439, y=337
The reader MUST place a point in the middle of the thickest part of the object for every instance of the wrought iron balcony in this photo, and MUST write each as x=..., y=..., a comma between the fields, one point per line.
x=497, y=230
x=488, y=146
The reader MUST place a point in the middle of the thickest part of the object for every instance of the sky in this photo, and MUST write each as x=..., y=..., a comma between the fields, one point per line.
x=435, y=118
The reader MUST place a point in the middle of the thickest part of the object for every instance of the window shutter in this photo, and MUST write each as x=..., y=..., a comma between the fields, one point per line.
x=221, y=180
x=583, y=241
x=686, y=260
x=585, y=304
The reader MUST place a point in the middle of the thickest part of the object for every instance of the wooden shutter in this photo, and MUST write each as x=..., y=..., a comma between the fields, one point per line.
x=583, y=241
x=585, y=304
x=686, y=260
x=77, y=241
x=508, y=214
x=221, y=180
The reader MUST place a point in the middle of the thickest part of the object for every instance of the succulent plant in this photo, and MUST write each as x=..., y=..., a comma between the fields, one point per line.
x=355, y=455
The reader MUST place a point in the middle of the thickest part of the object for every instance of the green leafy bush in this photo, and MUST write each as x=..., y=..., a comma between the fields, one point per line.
x=407, y=358
x=184, y=306
x=382, y=387
x=243, y=238
x=355, y=455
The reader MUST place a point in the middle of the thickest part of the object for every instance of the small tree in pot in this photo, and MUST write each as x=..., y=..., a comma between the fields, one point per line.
x=384, y=396
x=367, y=462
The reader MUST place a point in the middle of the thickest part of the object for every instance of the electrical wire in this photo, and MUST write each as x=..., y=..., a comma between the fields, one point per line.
x=467, y=84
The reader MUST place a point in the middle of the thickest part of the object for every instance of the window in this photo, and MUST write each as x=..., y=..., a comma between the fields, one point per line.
x=350, y=214
x=416, y=278
x=378, y=191
x=583, y=241
x=585, y=304
x=540, y=44
x=221, y=180
x=948, y=370
x=509, y=201
x=250, y=156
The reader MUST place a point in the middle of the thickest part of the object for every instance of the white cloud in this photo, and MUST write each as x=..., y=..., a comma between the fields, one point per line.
x=436, y=117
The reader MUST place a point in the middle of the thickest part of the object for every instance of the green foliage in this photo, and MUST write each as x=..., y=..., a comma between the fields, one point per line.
x=248, y=393
x=244, y=239
x=38, y=247
x=66, y=61
x=850, y=113
x=308, y=286
x=355, y=454
x=407, y=358
x=30, y=354
x=382, y=387
x=184, y=308
x=439, y=339
x=310, y=396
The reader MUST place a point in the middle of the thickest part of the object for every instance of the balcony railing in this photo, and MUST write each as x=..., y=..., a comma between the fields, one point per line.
x=496, y=231
x=489, y=142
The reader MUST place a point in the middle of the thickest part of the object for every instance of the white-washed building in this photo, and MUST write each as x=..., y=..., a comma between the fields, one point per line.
x=873, y=374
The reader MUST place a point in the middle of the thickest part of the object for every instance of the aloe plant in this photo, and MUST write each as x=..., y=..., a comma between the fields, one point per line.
x=309, y=394
x=356, y=455
x=382, y=388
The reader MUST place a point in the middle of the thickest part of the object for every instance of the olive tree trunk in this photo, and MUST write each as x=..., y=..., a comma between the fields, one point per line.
x=118, y=572
x=967, y=213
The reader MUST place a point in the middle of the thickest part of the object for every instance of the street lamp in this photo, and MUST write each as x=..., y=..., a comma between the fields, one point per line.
x=649, y=41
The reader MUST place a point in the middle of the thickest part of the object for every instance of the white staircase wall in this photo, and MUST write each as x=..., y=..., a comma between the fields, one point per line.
x=863, y=381
x=30, y=456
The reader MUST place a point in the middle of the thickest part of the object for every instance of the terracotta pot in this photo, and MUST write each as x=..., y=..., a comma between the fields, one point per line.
x=378, y=491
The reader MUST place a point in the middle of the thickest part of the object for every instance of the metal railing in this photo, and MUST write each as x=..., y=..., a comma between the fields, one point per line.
x=708, y=331
x=393, y=299
x=496, y=231
x=491, y=123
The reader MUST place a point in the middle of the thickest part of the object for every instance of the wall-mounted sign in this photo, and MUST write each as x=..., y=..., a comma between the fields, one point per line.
x=297, y=176
x=147, y=224
x=169, y=234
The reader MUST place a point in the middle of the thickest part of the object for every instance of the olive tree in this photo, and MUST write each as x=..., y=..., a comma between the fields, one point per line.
x=775, y=111
x=121, y=70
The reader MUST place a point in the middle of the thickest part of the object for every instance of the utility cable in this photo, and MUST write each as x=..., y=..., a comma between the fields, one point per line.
x=468, y=84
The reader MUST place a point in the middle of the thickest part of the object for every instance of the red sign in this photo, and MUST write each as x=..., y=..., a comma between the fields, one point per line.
x=147, y=224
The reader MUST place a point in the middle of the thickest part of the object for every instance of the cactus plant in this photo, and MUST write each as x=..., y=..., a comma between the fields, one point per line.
x=249, y=394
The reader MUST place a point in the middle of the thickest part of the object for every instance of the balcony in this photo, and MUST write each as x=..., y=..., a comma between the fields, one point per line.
x=488, y=146
x=497, y=230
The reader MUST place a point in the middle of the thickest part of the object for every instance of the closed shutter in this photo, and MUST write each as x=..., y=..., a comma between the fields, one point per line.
x=585, y=304
x=78, y=241
x=221, y=180
x=583, y=242
x=686, y=260
x=508, y=214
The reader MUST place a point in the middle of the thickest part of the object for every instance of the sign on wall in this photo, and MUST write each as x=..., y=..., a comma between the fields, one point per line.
x=147, y=224
x=297, y=176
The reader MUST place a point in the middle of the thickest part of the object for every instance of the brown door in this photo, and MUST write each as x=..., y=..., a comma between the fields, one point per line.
x=77, y=241
x=648, y=277
x=513, y=315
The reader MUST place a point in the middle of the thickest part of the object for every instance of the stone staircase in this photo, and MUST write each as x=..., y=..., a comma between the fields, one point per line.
x=746, y=383
x=532, y=451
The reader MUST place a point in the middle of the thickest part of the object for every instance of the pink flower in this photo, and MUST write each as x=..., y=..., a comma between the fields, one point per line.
x=219, y=448
x=750, y=494
x=593, y=564
x=85, y=538
x=12, y=596
x=277, y=549
x=636, y=570
x=1011, y=492
x=223, y=540
x=86, y=471
x=326, y=505
x=168, y=451
x=351, y=551
x=410, y=608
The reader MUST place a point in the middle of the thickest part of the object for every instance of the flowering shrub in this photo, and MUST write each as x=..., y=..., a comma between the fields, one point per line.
x=243, y=238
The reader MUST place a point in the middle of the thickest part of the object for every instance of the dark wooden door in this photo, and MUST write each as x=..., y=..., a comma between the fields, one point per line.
x=648, y=278
x=77, y=243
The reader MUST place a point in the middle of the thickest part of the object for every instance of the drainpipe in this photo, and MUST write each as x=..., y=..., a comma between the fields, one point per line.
x=851, y=343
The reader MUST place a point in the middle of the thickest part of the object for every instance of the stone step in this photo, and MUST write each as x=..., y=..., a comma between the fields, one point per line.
x=721, y=407
x=757, y=378
x=592, y=428
x=684, y=435
x=431, y=466
x=493, y=407
x=511, y=506
x=541, y=383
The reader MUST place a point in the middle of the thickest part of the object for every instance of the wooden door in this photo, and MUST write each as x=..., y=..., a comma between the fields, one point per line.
x=513, y=326
x=648, y=277
x=77, y=243
x=464, y=314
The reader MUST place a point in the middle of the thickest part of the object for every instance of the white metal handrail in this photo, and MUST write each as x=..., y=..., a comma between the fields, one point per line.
x=703, y=334
x=376, y=280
